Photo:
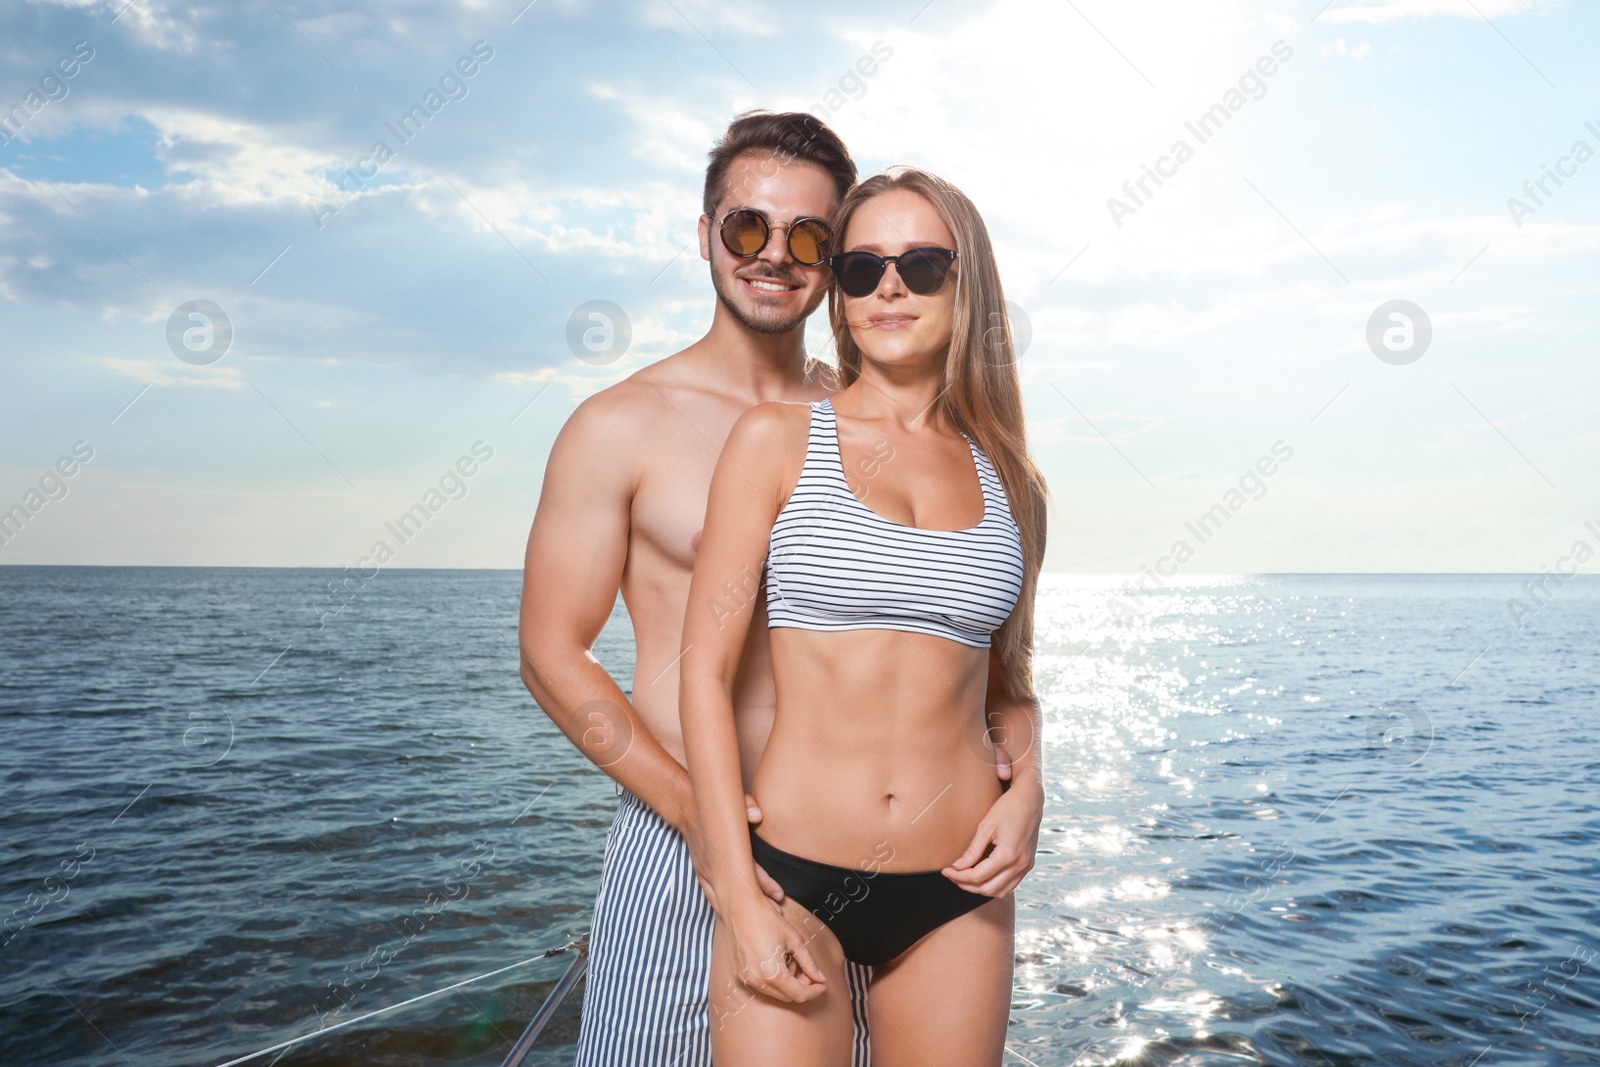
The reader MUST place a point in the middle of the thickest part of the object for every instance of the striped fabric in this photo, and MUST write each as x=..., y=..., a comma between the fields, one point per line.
x=835, y=564
x=645, y=999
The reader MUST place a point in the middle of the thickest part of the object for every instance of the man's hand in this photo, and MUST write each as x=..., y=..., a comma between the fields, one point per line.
x=772, y=889
x=1002, y=765
x=1009, y=834
x=702, y=864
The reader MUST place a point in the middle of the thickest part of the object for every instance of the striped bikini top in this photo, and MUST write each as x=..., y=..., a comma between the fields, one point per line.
x=835, y=564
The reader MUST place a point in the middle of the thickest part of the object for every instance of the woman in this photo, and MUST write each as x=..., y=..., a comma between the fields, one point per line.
x=901, y=634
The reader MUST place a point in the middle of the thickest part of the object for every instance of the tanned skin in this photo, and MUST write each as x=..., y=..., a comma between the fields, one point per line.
x=871, y=757
x=624, y=500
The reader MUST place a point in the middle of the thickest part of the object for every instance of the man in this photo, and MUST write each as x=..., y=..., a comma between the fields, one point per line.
x=622, y=506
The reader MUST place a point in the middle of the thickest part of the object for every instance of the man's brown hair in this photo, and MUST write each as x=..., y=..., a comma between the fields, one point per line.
x=788, y=137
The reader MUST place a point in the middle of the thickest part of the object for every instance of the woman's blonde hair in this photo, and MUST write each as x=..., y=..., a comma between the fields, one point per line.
x=980, y=394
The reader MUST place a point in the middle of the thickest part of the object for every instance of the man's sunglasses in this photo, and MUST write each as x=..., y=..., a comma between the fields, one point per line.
x=922, y=269
x=745, y=233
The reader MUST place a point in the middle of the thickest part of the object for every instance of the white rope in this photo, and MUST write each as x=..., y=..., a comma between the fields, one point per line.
x=350, y=1022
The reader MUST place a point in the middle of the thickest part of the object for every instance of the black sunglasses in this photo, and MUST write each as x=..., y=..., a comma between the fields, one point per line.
x=922, y=269
x=745, y=232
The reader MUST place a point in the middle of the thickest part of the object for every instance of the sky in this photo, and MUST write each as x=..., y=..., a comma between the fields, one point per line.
x=1348, y=322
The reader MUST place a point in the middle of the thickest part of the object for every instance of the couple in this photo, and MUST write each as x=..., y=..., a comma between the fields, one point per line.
x=827, y=763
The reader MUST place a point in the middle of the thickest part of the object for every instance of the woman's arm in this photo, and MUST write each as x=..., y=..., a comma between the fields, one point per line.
x=1011, y=825
x=1007, y=839
x=744, y=502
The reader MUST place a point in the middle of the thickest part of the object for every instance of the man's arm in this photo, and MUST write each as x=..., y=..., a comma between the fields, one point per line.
x=571, y=574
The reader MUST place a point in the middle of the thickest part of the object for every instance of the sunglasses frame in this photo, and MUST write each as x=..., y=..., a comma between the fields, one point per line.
x=950, y=255
x=788, y=235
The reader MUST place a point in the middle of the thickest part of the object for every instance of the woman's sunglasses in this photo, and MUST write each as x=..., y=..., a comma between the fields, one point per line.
x=745, y=233
x=922, y=269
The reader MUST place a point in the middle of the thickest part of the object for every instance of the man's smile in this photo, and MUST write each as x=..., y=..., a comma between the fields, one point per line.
x=770, y=285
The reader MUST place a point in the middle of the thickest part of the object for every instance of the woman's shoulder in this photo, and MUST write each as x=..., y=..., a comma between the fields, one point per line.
x=769, y=442
x=772, y=424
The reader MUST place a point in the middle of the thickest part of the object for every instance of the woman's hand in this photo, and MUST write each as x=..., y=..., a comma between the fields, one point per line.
x=1009, y=833
x=770, y=956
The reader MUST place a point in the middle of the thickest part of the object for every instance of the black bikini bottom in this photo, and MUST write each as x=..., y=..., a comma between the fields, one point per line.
x=876, y=915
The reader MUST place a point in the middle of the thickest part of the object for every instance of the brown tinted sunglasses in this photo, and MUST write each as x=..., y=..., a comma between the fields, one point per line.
x=745, y=232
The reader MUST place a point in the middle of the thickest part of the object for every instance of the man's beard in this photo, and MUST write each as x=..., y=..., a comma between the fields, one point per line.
x=763, y=319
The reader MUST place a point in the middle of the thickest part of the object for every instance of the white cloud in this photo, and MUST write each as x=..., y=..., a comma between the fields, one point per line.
x=232, y=162
x=666, y=132
x=147, y=20
x=1395, y=10
x=1339, y=48
x=173, y=372
x=656, y=335
x=1117, y=425
x=1201, y=325
x=707, y=19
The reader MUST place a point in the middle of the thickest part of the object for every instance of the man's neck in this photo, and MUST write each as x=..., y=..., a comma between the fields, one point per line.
x=764, y=366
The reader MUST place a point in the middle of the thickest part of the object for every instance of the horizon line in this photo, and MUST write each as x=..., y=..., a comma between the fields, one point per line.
x=1171, y=579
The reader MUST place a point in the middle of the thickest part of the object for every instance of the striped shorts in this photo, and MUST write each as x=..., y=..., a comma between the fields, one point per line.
x=645, y=999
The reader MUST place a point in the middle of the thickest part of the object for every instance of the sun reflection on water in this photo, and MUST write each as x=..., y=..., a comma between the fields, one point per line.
x=1133, y=683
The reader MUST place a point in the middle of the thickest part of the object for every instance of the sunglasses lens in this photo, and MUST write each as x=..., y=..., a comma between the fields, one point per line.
x=808, y=242
x=858, y=272
x=744, y=233
x=922, y=270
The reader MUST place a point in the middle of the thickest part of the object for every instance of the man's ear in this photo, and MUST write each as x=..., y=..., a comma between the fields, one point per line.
x=705, y=238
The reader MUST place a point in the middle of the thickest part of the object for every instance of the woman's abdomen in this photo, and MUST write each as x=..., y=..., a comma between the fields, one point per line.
x=877, y=752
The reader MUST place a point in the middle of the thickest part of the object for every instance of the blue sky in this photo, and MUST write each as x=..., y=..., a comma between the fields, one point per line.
x=1172, y=346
